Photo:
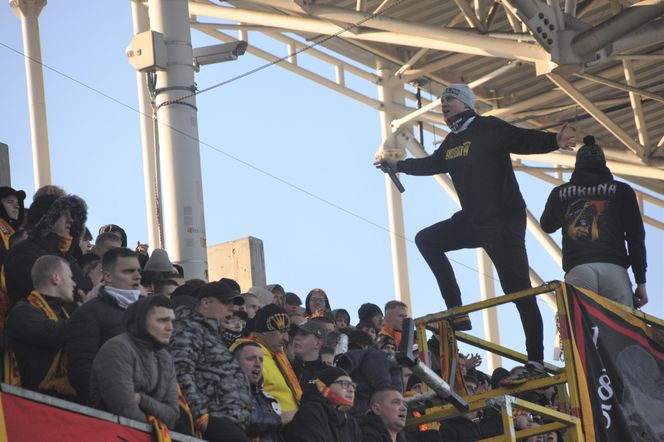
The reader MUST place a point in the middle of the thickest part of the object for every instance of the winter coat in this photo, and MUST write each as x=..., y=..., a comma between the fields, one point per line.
x=126, y=365
x=460, y=429
x=265, y=419
x=43, y=241
x=308, y=371
x=374, y=430
x=36, y=339
x=91, y=325
x=318, y=421
x=371, y=370
x=210, y=377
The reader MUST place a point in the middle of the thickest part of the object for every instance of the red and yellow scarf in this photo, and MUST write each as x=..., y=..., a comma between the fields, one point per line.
x=340, y=404
x=285, y=368
x=56, y=378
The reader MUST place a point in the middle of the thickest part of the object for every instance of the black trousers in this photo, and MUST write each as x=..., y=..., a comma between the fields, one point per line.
x=221, y=429
x=506, y=246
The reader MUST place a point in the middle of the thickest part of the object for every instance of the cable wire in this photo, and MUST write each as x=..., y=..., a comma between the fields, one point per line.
x=235, y=158
x=305, y=48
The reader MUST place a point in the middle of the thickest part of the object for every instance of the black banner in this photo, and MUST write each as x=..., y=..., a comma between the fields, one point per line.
x=620, y=366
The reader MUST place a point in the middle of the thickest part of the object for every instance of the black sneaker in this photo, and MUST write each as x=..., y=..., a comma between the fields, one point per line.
x=532, y=370
x=461, y=323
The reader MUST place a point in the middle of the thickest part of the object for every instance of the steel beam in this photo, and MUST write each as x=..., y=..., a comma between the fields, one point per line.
x=371, y=102
x=635, y=101
x=617, y=26
x=597, y=113
x=396, y=124
x=493, y=74
x=623, y=87
x=648, y=34
x=544, y=239
x=388, y=30
x=472, y=19
x=409, y=64
x=616, y=167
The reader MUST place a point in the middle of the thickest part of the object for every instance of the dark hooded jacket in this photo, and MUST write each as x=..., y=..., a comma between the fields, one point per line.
x=374, y=430
x=91, y=325
x=371, y=370
x=597, y=215
x=318, y=421
x=42, y=240
x=35, y=339
x=134, y=362
x=307, y=310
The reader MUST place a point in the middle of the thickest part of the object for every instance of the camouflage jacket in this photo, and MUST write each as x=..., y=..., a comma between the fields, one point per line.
x=211, y=379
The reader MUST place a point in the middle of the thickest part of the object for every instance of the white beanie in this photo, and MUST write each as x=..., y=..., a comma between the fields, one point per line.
x=462, y=93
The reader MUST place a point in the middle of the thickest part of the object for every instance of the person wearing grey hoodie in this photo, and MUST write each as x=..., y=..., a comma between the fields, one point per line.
x=133, y=374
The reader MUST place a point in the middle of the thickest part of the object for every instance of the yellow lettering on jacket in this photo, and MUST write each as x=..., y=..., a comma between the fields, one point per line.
x=458, y=151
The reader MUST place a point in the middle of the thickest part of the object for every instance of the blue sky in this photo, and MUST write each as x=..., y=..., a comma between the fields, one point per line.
x=278, y=122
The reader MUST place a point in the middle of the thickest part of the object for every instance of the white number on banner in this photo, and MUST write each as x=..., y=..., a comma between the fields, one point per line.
x=605, y=393
x=595, y=330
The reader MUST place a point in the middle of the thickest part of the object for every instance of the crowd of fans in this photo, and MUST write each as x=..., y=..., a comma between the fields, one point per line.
x=127, y=332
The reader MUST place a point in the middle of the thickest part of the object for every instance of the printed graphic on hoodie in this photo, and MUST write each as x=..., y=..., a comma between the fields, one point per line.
x=584, y=217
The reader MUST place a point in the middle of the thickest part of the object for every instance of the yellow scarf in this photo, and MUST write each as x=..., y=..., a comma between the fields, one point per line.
x=160, y=429
x=285, y=368
x=65, y=243
x=56, y=378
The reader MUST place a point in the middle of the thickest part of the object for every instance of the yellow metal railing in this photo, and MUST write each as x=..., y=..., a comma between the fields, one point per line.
x=564, y=378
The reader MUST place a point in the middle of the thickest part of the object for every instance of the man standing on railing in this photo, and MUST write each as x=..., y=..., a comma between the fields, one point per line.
x=476, y=154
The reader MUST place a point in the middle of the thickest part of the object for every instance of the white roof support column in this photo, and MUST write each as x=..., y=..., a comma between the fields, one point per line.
x=489, y=315
x=141, y=23
x=28, y=12
x=635, y=101
x=179, y=153
x=392, y=91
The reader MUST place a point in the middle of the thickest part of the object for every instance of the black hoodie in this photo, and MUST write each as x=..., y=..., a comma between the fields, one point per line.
x=42, y=240
x=478, y=161
x=597, y=215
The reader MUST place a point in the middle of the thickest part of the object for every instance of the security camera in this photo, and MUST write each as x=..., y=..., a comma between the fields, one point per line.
x=218, y=53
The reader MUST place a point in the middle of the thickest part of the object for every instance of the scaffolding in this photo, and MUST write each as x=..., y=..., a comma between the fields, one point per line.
x=566, y=379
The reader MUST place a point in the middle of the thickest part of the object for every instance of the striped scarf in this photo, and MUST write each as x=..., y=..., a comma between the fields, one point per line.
x=340, y=404
x=285, y=368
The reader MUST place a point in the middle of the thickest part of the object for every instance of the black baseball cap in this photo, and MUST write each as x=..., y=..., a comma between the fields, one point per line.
x=221, y=291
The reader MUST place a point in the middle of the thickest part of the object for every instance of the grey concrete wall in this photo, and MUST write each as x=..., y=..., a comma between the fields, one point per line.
x=241, y=259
